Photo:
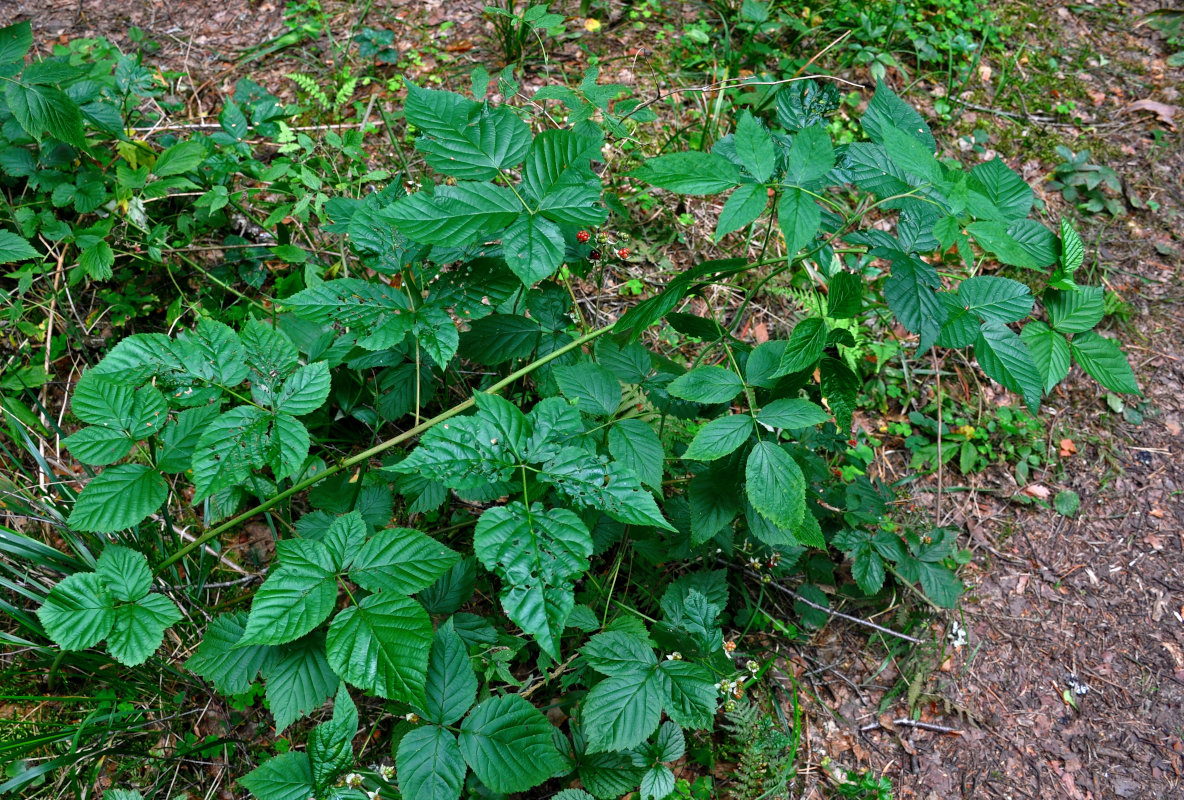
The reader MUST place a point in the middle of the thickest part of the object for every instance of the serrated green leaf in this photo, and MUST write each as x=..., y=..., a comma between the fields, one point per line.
x=910, y=293
x=400, y=560
x=623, y=710
x=634, y=444
x=594, y=389
x=499, y=338
x=710, y=384
x=811, y=156
x=909, y=153
x=618, y=653
x=102, y=401
x=451, y=686
x=231, y=669
x=455, y=216
x=693, y=173
x=78, y=612
x=742, y=207
x=997, y=193
x=382, y=645
x=719, y=437
x=297, y=596
x=1075, y=311
x=464, y=139
x=139, y=628
x=96, y=261
x=887, y=110
x=533, y=248
x=1105, y=362
x=330, y=748
x=1072, y=249
x=994, y=298
x=15, y=41
x=305, y=391
x=99, y=446
x=537, y=553
x=14, y=248
x=754, y=147
x=435, y=332
x=792, y=414
x=692, y=694
x=430, y=765
x=844, y=300
x=559, y=179
x=125, y=572
x=45, y=109
x=775, y=485
x=840, y=388
x=509, y=744
x=180, y=158
x=1050, y=351
x=286, y=446
x=1004, y=358
x=799, y=217
x=117, y=498
x=670, y=744
x=382, y=314
x=805, y=346
x=299, y=679
x=960, y=327
x=284, y=777
x=613, y=488
x=228, y=448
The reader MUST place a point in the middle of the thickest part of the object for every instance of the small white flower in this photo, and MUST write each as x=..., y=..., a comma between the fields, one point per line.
x=387, y=772
x=753, y=667
x=675, y=656
x=353, y=780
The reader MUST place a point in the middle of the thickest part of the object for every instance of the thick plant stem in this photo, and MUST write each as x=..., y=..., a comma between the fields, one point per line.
x=377, y=449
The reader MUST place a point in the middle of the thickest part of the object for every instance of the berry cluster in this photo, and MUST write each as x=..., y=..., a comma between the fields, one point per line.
x=605, y=240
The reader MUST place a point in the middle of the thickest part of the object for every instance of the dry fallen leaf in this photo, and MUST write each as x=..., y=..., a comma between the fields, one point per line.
x=1165, y=112
x=1173, y=427
x=1039, y=491
x=1156, y=512
x=1067, y=448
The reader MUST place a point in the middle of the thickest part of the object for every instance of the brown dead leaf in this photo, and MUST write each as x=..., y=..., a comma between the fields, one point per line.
x=1068, y=448
x=1156, y=512
x=1165, y=112
x=1036, y=490
x=1153, y=541
x=760, y=333
x=1173, y=427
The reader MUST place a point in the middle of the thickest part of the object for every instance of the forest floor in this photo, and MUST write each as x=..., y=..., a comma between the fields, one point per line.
x=1098, y=596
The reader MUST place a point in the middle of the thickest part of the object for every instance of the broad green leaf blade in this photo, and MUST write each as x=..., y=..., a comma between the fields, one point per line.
x=286, y=445
x=45, y=109
x=910, y=154
x=330, y=745
x=180, y=158
x=430, y=765
x=618, y=653
x=298, y=595
x=844, y=300
x=464, y=139
x=775, y=485
x=455, y=216
x=79, y=611
x=754, y=147
x=997, y=193
x=910, y=292
x=139, y=628
x=634, y=444
x=401, y=560
x=805, y=346
x=840, y=389
x=283, y=777
x=1075, y=311
x=594, y=389
x=811, y=157
x=623, y=710
x=1004, y=358
x=888, y=110
x=1072, y=249
x=960, y=327
x=305, y=391
x=998, y=299
x=125, y=572
x=613, y=488
x=99, y=446
x=710, y=384
x=533, y=248
x=100, y=400
x=1049, y=350
x=15, y=41
x=719, y=437
x=799, y=217
x=499, y=338
x=537, y=553
x=379, y=312
x=230, y=446
x=558, y=177
x=231, y=669
x=117, y=498
x=14, y=248
x=451, y=685
x=792, y=414
x=657, y=783
x=1023, y=243
x=693, y=173
x=382, y=645
x=509, y=744
x=1103, y=359
x=299, y=679
x=742, y=207
x=671, y=744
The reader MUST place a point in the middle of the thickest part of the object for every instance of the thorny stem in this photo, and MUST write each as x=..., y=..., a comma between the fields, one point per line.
x=377, y=449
